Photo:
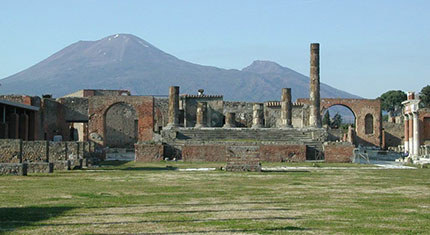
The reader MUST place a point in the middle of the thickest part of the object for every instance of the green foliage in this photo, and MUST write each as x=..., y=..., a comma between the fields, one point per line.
x=425, y=96
x=326, y=119
x=337, y=121
x=392, y=100
x=385, y=117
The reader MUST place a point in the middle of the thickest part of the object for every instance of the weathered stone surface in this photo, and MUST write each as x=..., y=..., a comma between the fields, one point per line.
x=201, y=117
x=283, y=153
x=57, y=151
x=286, y=108
x=338, y=152
x=230, y=120
x=148, y=152
x=204, y=153
x=13, y=168
x=99, y=105
x=173, y=106
x=35, y=151
x=315, y=115
x=62, y=165
x=214, y=110
x=243, y=158
x=258, y=115
x=360, y=108
x=40, y=167
x=10, y=151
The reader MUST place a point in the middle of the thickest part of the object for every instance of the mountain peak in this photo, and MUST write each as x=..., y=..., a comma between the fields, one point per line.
x=264, y=66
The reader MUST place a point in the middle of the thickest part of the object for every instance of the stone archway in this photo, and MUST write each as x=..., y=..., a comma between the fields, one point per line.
x=98, y=107
x=120, y=126
x=360, y=108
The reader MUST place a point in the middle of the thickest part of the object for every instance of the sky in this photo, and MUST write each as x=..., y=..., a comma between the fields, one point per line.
x=367, y=47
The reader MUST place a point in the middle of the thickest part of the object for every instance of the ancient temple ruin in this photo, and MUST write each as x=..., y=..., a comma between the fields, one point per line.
x=190, y=127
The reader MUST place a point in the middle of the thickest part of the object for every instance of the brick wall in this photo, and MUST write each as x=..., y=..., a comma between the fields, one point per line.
x=145, y=152
x=204, y=153
x=338, y=152
x=283, y=153
x=243, y=158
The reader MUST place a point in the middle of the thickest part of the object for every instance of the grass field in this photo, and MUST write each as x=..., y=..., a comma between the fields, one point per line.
x=150, y=198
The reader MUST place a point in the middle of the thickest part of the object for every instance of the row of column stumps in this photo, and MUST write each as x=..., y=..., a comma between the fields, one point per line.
x=258, y=114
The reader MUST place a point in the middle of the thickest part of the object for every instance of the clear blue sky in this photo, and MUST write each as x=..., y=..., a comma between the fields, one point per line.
x=367, y=47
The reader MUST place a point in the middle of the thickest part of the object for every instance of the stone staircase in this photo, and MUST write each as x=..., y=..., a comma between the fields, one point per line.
x=311, y=137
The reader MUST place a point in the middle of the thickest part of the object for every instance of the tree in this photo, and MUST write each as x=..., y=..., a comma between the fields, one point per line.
x=425, y=96
x=326, y=119
x=392, y=100
x=337, y=121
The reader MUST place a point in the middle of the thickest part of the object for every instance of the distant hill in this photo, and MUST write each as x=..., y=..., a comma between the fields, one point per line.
x=124, y=61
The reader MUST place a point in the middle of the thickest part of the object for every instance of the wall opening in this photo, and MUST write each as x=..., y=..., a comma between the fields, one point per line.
x=121, y=128
x=337, y=119
x=368, y=124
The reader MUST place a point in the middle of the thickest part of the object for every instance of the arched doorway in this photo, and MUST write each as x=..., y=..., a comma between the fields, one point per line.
x=337, y=118
x=121, y=126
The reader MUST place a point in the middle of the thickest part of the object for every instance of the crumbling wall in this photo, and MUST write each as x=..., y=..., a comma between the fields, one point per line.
x=121, y=126
x=214, y=111
x=243, y=112
x=75, y=109
x=272, y=115
x=338, y=151
x=10, y=150
x=161, y=118
x=243, y=158
x=35, y=151
x=148, y=152
x=204, y=153
x=283, y=153
x=98, y=106
x=393, y=134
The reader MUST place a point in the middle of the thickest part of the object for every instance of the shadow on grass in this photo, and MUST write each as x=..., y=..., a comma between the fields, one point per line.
x=167, y=168
x=11, y=218
x=118, y=164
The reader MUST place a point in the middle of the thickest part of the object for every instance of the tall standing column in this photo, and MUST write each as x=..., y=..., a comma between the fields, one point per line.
x=257, y=115
x=286, y=108
x=201, y=114
x=315, y=115
x=230, y=119
x=13, y=126
x=416, y=145
x=406, y=127
x=173, y=107
x=411, y=137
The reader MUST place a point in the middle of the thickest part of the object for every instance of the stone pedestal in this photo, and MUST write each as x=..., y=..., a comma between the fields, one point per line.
x=257, y=115
x=315, y=115
x=230, y=120
x=286, y=108
x=173, y=107
x=201, y=114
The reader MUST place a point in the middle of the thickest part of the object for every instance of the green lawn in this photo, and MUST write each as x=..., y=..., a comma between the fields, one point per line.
x=153, y=198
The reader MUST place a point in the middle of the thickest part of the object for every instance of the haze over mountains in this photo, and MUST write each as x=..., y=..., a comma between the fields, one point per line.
x=124, y=61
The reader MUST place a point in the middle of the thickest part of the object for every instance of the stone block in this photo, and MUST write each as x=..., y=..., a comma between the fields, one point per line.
x=40, y=167
x=148, y=152
x=243, y=158
x=338, y=152
x=13, y=168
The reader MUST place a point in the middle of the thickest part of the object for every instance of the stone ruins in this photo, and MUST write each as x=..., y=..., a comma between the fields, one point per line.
x=44, y=133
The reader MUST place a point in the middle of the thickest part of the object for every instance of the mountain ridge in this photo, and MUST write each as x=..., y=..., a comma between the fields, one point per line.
x=124, y=61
